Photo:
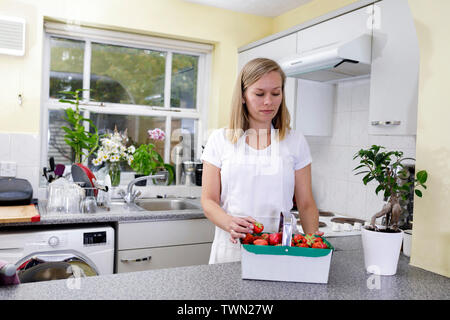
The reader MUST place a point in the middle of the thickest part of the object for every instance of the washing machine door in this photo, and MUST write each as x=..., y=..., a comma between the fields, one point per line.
x=54, y=265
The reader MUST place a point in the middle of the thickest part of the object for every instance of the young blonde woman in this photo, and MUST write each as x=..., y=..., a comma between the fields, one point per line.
x=252, y=169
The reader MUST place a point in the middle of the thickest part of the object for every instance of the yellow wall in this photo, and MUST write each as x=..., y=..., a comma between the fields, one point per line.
x=431, y=231
x=227, y=30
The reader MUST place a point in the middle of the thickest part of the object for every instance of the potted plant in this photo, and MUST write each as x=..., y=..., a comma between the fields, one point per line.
x=113, y=151
x=82, y=141
x=146, y=160
x=381, y=244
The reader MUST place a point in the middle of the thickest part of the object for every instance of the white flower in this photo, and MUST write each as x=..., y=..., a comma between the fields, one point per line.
x=96, y=162
x=131, y=149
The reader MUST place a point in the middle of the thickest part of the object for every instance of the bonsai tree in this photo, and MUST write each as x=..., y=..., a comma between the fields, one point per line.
x=387, y=169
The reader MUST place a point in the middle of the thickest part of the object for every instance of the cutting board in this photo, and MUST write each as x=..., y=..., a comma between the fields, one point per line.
x=12, y=214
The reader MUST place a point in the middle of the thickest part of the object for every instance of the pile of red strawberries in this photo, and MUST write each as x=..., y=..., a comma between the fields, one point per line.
x=274, y=239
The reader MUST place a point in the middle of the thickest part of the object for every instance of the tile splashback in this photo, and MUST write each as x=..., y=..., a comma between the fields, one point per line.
x=335, y=186
x=24, y=150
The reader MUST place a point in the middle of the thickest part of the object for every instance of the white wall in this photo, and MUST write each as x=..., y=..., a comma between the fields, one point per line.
x=335, y=186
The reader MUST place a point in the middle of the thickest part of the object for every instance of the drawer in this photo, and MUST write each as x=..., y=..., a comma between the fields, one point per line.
x=148, y=234
x=163, y=257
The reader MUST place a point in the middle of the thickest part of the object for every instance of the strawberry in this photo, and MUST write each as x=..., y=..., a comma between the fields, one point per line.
x=319, y=245
x=298, y=238
x=275, y=238
x=310, y=239
x=302, y=245
x=249, y=238
x=260, y=242
x=258, y=227
x=265, y=236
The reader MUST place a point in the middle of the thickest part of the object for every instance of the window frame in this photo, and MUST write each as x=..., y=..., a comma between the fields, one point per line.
x=138, y=41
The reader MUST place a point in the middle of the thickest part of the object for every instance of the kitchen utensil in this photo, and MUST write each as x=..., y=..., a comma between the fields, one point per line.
x=178, y=150
x=81, y=173
x=11, y=214
x=288, y=227
x=89, y=205
x=15, y=191
x=198, y=173
x=189, y=173
x=59, y=170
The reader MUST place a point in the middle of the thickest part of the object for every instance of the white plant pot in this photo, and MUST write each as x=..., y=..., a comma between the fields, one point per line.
x=407, y=235
x=381, y=251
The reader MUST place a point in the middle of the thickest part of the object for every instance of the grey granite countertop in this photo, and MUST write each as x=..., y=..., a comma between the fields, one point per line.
x=117, y=213
x=347, y=280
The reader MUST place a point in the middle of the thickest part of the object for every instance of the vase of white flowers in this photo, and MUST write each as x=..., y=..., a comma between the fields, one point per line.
x=112, y=152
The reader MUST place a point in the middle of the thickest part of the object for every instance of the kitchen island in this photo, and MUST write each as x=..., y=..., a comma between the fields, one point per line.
x=347, y=280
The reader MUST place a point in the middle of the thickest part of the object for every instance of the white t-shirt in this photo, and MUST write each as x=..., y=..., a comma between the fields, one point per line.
x=256, y=183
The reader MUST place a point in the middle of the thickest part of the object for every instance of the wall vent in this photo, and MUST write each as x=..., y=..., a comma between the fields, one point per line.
x=12, y=36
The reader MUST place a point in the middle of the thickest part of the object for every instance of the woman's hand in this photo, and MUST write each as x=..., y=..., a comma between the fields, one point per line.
x=239, y=226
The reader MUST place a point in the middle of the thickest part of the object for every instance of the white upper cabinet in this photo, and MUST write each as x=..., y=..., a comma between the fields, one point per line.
x=342, y=28
x=395, y=70
x=276, y=50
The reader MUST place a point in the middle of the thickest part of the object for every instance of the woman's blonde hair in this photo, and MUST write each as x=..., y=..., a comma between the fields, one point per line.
x=250, y=73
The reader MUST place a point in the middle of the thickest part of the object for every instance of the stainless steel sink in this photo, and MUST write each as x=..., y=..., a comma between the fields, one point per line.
x=166, y=204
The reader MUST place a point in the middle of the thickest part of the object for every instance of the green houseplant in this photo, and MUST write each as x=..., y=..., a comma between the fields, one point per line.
x=146, y=160
x=382, y=244
x=82, y=142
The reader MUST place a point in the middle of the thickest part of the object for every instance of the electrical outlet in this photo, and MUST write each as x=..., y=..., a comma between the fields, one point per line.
x=8, y=169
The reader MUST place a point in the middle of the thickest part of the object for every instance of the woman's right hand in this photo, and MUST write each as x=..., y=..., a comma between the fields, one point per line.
x=239, y=226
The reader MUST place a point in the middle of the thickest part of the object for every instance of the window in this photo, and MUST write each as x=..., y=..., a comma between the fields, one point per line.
x=132, y=82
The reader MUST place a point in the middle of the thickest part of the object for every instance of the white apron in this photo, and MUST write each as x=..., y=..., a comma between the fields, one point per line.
x=256, y=183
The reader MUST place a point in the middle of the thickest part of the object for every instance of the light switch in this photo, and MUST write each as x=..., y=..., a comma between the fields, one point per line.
x=8, y=169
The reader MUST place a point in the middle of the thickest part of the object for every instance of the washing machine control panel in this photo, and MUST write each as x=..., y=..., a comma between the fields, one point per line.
x=94, y=238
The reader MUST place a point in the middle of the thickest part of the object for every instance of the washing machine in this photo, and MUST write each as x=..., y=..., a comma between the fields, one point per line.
x=60, y=253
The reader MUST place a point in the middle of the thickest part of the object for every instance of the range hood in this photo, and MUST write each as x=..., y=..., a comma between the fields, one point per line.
x=332, y=62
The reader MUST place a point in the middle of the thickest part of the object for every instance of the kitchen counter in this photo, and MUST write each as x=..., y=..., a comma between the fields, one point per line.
x=347, y=280
x=114, y=215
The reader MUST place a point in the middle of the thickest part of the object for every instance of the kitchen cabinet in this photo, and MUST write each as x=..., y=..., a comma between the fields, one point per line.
x=342, y=28
x=395, y=70
x=149, y=245
x=276, y=50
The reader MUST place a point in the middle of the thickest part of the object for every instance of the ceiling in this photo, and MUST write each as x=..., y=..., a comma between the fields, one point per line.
x=267, y=8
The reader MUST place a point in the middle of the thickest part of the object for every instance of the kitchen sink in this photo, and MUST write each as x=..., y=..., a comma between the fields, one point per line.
x=167, y=204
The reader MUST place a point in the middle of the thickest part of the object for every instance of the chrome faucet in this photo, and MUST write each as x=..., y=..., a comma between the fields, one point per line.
x=131, y=194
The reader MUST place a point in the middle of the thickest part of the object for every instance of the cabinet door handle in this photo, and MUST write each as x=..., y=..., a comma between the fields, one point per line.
x=136, y=260
x=386, y=123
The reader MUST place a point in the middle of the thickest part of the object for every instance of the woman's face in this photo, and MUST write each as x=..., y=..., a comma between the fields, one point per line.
x=263, y=98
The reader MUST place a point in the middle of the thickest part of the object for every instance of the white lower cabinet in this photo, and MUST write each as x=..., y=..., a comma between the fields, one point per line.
x=163, y=257
x=163, y=244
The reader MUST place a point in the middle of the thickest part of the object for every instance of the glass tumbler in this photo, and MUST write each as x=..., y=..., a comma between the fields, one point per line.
x=89, y=205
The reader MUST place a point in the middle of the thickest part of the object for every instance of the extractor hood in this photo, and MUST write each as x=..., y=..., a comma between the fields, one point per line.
x=331, y=62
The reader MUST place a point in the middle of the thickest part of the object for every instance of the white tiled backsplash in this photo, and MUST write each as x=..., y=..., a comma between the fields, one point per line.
x=24, y=150
x=335, y=187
